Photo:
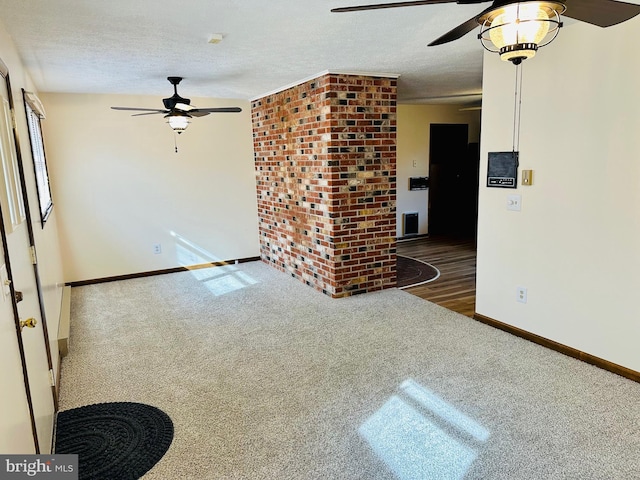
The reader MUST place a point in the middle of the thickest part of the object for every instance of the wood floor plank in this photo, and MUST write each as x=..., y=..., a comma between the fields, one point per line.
x=455, y=258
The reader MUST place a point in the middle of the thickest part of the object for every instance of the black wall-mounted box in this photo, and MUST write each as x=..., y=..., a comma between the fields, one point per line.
x=418, y=183
x=502, y=170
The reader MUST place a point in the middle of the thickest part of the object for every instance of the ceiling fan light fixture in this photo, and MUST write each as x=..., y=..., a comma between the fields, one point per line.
x=178, y=121
x=515, y=31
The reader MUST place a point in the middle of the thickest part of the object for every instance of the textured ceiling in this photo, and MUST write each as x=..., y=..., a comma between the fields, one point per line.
x=131, y=46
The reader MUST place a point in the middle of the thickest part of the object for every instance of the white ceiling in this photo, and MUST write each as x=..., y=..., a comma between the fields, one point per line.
x=131, y=46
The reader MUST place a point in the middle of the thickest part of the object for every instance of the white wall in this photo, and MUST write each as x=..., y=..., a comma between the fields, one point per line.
x=120, y=187
x=413, y=124
x=576, y=243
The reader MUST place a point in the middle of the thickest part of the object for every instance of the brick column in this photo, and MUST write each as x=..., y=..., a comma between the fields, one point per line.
x=325, y=157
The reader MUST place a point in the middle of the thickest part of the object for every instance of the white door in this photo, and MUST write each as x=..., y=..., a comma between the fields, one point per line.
x=16, y=435
x=35, y=352
x=22, y=274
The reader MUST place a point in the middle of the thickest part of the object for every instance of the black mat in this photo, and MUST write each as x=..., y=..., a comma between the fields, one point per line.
x=411, y=272
x=114, y=441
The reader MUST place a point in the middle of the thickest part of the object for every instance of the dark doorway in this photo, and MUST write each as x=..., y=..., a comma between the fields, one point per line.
x=453, y=181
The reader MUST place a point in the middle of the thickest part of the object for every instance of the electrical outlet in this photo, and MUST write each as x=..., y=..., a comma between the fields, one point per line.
x=157, y=248
x=521, y=295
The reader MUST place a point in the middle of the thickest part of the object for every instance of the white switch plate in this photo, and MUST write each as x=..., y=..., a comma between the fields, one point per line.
x=514, y=202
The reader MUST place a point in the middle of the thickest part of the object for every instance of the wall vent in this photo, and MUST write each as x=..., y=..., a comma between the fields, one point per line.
x=409, y=223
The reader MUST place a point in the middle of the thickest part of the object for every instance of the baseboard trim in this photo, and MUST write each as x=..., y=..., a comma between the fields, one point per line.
x=152, y=273
x=564, y=349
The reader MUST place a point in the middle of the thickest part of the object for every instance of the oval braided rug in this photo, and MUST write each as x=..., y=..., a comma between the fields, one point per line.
x=115, y=441
x=411, y=272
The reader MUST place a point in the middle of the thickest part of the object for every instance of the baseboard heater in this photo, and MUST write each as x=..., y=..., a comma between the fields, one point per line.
x=64, y=326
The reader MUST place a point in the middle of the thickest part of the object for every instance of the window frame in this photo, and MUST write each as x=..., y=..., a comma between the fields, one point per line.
x=35, y=113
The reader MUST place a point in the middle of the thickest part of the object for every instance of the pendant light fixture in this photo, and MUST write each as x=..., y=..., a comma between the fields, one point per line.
x=516, y=30
x=179, y=121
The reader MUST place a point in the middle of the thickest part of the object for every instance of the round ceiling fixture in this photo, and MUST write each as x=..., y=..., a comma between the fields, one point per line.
x=517, y=30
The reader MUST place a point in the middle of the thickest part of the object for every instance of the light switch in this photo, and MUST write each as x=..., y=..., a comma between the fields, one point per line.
x=514, y=202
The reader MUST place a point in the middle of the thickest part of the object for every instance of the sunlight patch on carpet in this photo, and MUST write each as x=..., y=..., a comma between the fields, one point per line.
x=220, y=280
x=408, y=435
x=225, y=279
x=439, y=407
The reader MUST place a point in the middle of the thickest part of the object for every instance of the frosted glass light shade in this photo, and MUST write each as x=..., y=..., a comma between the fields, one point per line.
x=179, y=123
x=518, y=29
x=519, y=24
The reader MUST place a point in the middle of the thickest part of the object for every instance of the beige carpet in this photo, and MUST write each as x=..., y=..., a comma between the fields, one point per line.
x=266, y=378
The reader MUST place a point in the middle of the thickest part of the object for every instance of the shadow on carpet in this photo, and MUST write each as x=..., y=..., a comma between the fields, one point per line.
x=115, y=441
x=411, y=272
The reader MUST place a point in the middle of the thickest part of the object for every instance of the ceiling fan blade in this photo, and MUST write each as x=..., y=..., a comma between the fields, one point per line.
x=602, y=13
x=390, y=5
x=201, y=112
x=150, y=113
x=154, y=110
x=184, y=107
x=458, y=32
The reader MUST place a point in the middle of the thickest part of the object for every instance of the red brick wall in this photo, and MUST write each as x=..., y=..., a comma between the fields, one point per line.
x=325, y=158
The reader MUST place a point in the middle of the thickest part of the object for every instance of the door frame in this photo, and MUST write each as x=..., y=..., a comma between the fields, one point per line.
x=4, y=73
x=32, y=240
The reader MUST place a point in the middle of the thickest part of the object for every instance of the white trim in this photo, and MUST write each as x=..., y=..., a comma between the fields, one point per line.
x=322, y=74
x=444, y=99
x=35, y=104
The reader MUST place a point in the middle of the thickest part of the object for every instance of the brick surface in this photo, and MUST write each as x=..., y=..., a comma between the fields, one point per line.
x=325, y=160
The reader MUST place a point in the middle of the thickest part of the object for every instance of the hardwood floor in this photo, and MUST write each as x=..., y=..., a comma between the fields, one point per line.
x=455, y=289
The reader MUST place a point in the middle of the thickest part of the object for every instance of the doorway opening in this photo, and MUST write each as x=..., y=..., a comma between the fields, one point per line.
x=452, y=220
x=453, y=181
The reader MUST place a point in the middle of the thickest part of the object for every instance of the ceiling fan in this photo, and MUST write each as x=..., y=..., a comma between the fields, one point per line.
x=513, y=15
x=178, y=110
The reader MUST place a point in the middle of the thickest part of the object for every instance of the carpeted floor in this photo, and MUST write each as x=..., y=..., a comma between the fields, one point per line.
x=265, y=378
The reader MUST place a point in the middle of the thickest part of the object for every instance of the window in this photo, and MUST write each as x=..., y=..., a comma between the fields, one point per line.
x=35, y=112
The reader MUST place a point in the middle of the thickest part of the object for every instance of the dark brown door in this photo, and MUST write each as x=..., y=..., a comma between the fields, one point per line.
x=453, y=181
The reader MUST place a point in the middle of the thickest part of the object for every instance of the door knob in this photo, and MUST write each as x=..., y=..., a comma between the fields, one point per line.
x=29, y=323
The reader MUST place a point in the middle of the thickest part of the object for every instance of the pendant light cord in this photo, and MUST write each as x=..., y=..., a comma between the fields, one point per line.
x=516, y=108
x=175, y=141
